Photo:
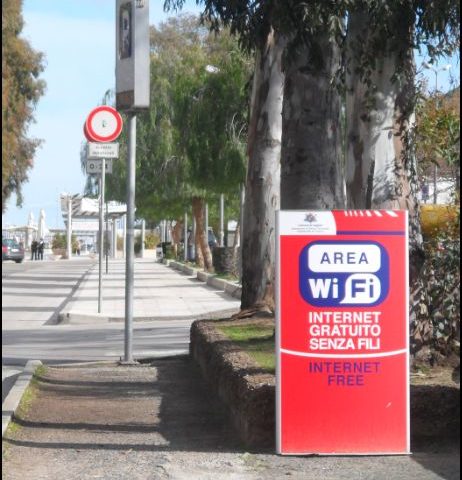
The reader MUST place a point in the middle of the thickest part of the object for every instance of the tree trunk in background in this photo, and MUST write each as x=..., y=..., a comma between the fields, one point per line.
x=381, y=168
x=311, y=159
x=263, y=177
x=177, y=231
x=203, y=253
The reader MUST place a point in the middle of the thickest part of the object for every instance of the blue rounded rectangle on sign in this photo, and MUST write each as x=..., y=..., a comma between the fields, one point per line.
x=344, y=273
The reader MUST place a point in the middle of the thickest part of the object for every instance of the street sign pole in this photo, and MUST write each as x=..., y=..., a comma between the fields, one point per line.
x=101, y=234
x=107, y=239
x=130, y=252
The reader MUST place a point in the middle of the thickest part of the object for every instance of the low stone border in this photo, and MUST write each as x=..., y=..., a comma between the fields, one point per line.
x=244, y=388
x=13, y=399
x=249, y=395
x=230, y=288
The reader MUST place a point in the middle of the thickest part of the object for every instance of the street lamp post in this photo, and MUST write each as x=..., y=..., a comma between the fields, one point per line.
x=435, y=167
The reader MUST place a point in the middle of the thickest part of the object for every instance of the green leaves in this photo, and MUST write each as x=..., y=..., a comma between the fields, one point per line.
x=192, y=139
x=21, y=90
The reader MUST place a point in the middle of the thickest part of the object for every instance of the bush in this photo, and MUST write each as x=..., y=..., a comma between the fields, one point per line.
x=435, y=307
x=151, y=240
x=60, y=242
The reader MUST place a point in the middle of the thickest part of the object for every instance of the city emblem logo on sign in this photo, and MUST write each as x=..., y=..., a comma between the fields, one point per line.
x=344, y=273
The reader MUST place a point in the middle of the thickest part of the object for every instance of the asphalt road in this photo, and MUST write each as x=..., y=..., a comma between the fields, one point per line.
x=33, y=293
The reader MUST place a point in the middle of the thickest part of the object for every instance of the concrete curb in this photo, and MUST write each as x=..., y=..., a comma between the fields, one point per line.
x=229, y=288
x=13, y=399
x=82, y=318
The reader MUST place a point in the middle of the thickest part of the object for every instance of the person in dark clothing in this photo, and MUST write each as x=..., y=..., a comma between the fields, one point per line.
x=40, y=248
x=33, y=249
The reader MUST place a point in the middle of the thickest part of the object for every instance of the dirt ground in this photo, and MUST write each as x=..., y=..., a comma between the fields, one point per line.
x=160, y=421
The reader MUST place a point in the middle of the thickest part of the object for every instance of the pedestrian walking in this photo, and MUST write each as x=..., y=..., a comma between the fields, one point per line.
x=33, y=249
x=40, y=248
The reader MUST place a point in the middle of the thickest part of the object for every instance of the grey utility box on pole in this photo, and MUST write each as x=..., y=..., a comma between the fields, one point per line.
x=132, y=55
x=132, y=95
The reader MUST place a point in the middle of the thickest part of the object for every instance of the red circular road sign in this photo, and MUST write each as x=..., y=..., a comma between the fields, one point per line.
x=103, y=124
x=89, y=139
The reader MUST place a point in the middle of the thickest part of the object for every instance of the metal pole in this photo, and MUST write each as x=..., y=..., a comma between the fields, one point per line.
x=143, y=236
x=185, y=237
x=222, y=219
x=107, y=238
x=124, y=247
x=130, y=252
x=101, y=234
x=69, y=227
x=114, y=238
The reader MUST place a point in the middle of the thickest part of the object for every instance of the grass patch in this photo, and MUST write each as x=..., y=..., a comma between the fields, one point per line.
x=256, y=340
x=28, y=397
x=40, y=371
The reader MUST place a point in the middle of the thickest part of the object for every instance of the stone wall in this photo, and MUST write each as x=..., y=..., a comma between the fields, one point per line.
x=249, y=394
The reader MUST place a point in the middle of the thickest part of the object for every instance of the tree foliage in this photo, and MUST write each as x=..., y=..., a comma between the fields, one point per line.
x=438, y=135
x=211, y=115
x=21, y=90
x=192, y=139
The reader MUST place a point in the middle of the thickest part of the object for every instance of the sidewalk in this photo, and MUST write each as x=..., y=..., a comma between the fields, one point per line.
x=159, y=421
x=160, y=293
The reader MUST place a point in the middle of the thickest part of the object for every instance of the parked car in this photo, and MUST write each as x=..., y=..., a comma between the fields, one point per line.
x=12, y=250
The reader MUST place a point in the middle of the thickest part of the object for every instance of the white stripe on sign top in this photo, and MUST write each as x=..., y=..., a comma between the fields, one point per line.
x=378, y=213
x=391, y=213
x=369, y=214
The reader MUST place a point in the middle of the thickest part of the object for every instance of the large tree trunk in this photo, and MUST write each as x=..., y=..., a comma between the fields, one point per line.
x=312, y=174
x=202, y=244
x=381, y=169
x=263, y=177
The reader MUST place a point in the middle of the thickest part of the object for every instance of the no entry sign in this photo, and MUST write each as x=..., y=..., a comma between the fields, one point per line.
x=342, y=332
x=103, y=124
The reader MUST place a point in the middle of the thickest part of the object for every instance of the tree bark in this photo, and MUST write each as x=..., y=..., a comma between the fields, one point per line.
x=263, y=176
x=202, y=245
x=177, y=230
x=312, y=174
x=380, y=166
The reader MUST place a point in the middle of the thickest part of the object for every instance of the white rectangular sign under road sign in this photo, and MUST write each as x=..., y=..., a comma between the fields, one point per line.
x=102, y=150
x=95, y=166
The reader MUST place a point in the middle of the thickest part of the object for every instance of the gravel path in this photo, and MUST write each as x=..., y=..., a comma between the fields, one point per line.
x=158, y=422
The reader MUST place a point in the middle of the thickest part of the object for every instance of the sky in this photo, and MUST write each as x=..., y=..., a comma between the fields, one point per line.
x=78, y=40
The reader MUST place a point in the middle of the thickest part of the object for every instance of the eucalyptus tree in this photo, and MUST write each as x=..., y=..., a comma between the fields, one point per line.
x=190, y=142
x=254, y=23
x=21, y=90
x=381, y=98
x=211, y=119
x=272, y=28
x=312, y=173
x=162, y=177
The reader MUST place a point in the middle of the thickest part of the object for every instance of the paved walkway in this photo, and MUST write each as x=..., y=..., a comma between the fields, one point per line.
x=160, y=293
x=159, y=421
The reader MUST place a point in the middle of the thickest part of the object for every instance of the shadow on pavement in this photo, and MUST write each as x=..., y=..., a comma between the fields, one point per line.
x=163, y=406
